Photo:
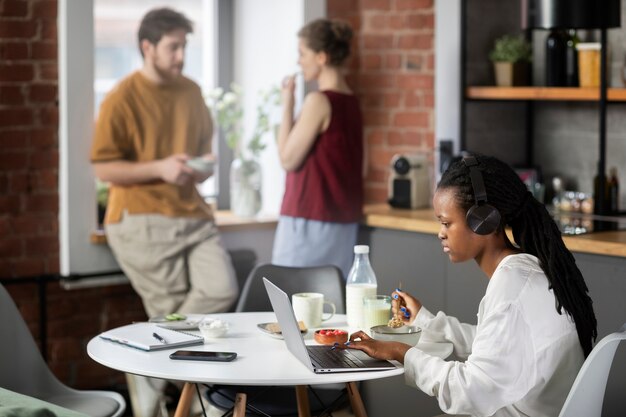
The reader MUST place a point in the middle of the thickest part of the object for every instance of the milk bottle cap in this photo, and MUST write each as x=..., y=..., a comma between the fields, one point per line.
x=360, y=249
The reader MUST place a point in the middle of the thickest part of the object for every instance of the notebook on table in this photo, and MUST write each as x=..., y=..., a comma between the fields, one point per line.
x=319, y=359
x=149, y=337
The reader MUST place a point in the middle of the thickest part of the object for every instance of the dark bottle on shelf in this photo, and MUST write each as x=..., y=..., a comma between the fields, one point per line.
x=556, y=45
x=612, y=186
x=600, y=193
x=571, y=59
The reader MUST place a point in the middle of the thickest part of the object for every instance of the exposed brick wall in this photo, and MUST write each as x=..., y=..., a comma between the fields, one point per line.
x=29, y=140
x=392, y=70
x=29, y=231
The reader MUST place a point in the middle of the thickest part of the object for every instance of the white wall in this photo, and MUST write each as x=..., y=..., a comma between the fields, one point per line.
x=447, y=71
x=77, y=199
x=266, y=51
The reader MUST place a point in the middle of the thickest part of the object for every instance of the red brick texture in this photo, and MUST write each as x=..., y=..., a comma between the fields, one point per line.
x=392, y=70
x=29, y=199
x=28, y=139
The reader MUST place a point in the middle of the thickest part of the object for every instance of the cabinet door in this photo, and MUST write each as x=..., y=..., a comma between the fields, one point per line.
x=465, y=287
x=417, y=260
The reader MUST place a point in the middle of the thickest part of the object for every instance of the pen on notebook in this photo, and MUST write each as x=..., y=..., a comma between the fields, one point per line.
x=158, y=337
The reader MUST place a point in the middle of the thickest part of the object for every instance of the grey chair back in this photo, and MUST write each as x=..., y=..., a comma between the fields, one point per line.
x=281, y=400
x=23, y=370
x=586, y=396
x=327, y=280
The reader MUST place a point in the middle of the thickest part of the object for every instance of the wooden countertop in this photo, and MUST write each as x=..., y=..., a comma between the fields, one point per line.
x=611, y=243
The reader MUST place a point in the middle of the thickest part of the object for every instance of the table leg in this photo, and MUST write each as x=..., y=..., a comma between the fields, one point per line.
x=184, y=403
x=239, y=409
x=355, y=400
x=302, y=396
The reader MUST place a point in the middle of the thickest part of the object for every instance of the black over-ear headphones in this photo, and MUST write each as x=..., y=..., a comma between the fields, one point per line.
x=482, y=218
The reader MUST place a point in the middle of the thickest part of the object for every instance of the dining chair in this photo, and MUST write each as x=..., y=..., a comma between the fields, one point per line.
x=281, y=400
x=23, y=370
x=327, y=280
x=586, y=396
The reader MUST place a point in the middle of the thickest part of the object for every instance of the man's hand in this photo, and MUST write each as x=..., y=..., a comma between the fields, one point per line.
x=174, y=170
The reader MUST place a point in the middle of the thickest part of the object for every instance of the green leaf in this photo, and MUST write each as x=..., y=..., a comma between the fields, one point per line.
x=228, y=112
x=509, y=48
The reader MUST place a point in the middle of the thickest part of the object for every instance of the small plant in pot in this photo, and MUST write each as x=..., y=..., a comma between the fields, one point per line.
x=510, y=56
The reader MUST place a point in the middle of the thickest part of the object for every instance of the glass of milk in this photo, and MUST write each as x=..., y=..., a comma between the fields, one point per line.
x=376, y=311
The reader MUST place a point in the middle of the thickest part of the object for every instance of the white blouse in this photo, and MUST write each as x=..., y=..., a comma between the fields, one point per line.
x=520, y=360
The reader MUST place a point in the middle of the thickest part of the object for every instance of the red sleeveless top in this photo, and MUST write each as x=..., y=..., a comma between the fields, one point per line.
x=328, y=186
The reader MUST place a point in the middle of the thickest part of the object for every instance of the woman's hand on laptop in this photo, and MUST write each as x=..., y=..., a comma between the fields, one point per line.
x=376, y=348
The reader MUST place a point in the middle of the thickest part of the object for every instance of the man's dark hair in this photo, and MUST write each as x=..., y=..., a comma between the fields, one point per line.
x=158, y=22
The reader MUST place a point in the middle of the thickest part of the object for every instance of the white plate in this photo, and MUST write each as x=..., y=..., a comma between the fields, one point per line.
x=190, y=323
x=265, y=328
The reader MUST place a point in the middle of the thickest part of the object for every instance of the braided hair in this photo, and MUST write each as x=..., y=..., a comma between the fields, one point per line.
x=535, y=232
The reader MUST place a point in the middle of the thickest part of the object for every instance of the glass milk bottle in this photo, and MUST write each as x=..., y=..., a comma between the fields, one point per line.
x=361, y=283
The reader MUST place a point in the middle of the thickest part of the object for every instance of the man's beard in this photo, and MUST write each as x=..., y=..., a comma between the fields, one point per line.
x=168, y=74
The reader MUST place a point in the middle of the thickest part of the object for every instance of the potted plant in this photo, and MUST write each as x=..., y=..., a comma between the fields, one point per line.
x=510, y=56
x=102, y=197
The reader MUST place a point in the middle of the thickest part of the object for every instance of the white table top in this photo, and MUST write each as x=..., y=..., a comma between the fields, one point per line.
x=261, y=358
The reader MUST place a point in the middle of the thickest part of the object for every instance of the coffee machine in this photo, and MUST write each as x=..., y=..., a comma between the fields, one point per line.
x=409, y=183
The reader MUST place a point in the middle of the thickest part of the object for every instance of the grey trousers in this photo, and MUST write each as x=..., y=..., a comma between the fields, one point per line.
x=174, y=264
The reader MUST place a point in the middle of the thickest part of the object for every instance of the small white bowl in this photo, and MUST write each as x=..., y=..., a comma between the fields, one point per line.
x=213, y=328
x=200, y=164
x=405, y=334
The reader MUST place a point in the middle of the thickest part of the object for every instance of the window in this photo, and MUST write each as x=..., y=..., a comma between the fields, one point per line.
x=116, y=52
x=264, y=50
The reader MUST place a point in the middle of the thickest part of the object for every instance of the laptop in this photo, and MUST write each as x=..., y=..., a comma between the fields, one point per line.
x=319, y=359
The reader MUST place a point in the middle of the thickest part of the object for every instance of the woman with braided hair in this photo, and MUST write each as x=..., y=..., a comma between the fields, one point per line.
x=536, y=322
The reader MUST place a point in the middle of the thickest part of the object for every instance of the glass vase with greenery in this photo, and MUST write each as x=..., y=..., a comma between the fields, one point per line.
x=245, y=170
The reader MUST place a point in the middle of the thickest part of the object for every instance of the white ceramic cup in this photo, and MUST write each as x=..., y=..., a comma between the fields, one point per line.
x=309, y=307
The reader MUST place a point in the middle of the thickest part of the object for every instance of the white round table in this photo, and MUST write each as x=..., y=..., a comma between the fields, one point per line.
x=261, y=358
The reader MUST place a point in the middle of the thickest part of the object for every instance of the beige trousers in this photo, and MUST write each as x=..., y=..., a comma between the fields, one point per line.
x=174, y=264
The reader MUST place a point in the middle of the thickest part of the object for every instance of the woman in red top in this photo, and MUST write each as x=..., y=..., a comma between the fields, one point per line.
x=322, y=152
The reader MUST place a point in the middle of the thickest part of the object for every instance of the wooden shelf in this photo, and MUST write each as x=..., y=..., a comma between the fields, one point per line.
x=543, y=93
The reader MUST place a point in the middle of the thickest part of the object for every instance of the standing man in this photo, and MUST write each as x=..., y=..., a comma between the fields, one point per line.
x=160, y=229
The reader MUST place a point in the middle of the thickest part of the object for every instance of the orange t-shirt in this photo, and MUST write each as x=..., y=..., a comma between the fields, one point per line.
x=142, y=121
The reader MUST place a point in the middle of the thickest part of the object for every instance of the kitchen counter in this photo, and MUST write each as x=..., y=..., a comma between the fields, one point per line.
x=612, y=243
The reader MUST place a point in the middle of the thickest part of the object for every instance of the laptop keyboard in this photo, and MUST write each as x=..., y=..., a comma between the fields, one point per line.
x=327, y=358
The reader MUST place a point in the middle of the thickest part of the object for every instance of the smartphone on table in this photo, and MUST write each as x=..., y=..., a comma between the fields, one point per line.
x=199, y=355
